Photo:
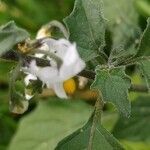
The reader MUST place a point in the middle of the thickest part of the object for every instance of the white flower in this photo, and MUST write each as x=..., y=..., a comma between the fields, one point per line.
x=53, y=76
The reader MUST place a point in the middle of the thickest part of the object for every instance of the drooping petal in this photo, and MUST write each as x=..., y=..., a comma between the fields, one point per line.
x=58, y=47
x=71, y=56
x=72, y=63
x=48, y=75
x=33, y=68
x=59, y=90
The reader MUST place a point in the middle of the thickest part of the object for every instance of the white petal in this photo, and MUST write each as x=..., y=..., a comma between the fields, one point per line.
x=59, y=90
x=48, y=75
x=67, y=72
x=72, y=63
x=33, y=68
x=58, y=47
x=71, y=55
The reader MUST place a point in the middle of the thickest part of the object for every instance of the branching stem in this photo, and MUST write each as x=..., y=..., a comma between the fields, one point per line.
x=12, y=56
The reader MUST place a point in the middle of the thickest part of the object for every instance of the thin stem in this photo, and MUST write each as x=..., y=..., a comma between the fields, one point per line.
x=96, y=119
x=88, y=74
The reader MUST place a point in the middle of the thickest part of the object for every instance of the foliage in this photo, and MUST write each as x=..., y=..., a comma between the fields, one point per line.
x=113, y=38
x=118, y=80
x=51, y=121
x=87, y=28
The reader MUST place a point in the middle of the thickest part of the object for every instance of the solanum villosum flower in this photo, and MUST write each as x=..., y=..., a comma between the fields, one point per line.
x=53, y=76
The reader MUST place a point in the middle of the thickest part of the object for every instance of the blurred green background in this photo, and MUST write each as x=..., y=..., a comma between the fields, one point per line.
x=31, y=15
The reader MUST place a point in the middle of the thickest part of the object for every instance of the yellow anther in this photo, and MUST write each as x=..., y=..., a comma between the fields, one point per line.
x=70, y=86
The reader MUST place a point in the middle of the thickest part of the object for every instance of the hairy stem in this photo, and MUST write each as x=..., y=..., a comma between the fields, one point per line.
x=96, y=119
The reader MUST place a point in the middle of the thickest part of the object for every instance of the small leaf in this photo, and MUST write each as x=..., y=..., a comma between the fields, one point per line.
x=80, y=140
x=144, y=46
x=145, y=68
x=87, y=27
x=10, y=35
x=50, y=122
x=113, y=84
x=136, y=128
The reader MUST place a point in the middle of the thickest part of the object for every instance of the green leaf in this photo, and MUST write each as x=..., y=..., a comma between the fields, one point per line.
x=10, y=35
x=87, y=27
x=144, y=46
x=136, y=128
x=113, y=84
x=145, y=68
x=50, y=122
x=80, y=140
x=122, y=22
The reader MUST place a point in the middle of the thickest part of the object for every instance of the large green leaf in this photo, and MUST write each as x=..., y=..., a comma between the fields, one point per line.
x=87, y=27
x=10, y=35
x=136, y=128
x=81, y=139
x=144, y=47
x=113, y=84
x=50, y=122
x=122, y=22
